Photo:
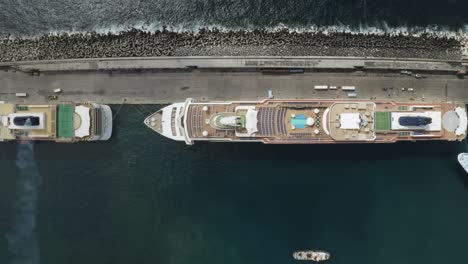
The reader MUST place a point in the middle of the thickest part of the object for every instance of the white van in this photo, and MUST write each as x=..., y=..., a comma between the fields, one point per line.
x=321, y=87
x=21, y=95
x=348, y=88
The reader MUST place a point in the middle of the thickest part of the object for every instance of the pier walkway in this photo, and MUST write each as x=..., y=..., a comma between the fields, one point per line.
x=171, y=79
x=106, y=64
x=168, y=87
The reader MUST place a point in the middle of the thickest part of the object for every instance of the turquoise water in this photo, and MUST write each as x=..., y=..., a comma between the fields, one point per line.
x=141, y=198
x=299, y=121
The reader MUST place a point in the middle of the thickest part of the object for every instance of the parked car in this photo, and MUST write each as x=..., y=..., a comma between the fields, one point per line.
x=461, y=74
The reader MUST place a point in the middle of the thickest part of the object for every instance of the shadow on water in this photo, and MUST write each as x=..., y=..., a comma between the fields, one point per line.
x=22, y=240
x=463, y=175
x=400, y=150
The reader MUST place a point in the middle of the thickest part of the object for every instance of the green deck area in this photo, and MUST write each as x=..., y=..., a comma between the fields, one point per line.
x=65, y=127
x=382, y=121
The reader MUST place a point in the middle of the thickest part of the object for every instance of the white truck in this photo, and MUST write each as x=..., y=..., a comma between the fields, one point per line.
x=348, y=88
x=321, y=87
x=21, y=94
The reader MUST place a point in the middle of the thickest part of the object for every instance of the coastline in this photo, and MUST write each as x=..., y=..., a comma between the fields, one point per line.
x=215, y=42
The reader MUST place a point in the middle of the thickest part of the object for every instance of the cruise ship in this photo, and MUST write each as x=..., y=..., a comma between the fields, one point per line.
x=61, y=122
x=310, y=121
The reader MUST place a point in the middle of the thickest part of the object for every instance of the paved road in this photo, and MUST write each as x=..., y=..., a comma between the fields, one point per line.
x=164, y=88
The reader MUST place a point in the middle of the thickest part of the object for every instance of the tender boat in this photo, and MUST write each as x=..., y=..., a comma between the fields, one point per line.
x=463, y=160
x=313, y=255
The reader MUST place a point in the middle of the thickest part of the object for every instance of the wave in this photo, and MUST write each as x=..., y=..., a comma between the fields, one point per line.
x=379, y=28
x=460, y=34
x=382, y=28
x=43, y=16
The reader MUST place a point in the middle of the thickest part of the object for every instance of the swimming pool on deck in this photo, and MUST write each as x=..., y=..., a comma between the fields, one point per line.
x=299, y=121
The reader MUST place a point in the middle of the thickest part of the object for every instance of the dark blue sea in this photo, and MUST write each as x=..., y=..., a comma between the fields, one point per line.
x=32, y=17
x=141, y=198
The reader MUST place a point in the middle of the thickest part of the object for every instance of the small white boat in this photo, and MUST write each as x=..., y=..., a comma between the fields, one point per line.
x=463, y=160
x=313, y=255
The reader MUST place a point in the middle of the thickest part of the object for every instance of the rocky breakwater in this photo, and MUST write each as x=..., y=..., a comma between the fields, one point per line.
x=213, y=42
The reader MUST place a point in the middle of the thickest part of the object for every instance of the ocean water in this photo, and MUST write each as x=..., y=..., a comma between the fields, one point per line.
x=32, y=17
x=141, y=198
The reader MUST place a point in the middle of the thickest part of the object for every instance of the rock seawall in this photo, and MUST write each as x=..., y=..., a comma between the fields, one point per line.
x=138, y=43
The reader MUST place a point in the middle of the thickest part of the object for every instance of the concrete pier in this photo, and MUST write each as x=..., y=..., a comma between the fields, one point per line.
x=167, y=87
x=165, y=80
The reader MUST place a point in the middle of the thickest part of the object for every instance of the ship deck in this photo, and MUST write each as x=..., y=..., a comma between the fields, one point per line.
x=48, y=132
x=5, y=133
x=282, y=122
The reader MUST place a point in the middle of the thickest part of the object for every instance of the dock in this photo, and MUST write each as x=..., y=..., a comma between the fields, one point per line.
x=171, y=79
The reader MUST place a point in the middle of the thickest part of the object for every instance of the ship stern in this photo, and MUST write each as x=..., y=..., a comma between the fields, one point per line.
x=102, y=129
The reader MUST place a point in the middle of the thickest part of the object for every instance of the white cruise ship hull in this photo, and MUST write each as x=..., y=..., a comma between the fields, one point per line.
x=463, y=160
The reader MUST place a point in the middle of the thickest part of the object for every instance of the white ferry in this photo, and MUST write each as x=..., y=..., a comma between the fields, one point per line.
x=312, y=255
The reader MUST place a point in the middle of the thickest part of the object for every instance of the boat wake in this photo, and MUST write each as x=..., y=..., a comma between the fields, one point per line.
x=22, y=240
